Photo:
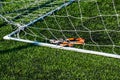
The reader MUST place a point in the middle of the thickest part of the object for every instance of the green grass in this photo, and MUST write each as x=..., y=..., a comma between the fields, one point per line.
x=22, y=61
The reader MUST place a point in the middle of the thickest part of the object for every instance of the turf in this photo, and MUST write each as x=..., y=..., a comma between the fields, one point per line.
x=22, y=61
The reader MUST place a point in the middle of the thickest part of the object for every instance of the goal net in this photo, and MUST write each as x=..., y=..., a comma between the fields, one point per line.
x=53, y=22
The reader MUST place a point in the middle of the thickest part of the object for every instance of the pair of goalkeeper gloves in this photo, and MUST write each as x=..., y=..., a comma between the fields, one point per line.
x=70, y=42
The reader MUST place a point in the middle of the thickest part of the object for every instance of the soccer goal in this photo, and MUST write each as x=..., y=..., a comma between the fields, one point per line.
x=86, y=26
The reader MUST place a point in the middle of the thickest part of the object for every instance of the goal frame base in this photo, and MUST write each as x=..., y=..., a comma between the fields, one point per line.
x=64, y=48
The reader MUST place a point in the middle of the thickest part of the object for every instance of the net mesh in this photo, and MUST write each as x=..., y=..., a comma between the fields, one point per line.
x=97, y=21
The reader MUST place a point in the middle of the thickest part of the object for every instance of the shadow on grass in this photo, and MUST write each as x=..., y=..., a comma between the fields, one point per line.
x=3, y=24
x=16, y=48
x=30, y=10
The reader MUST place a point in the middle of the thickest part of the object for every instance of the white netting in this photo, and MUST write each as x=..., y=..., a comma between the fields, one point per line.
x=97, y=21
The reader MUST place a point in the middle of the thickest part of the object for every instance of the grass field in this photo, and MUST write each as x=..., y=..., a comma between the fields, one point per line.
x=22, y=61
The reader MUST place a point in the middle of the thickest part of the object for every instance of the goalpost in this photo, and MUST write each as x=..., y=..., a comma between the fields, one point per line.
x=37, y=22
